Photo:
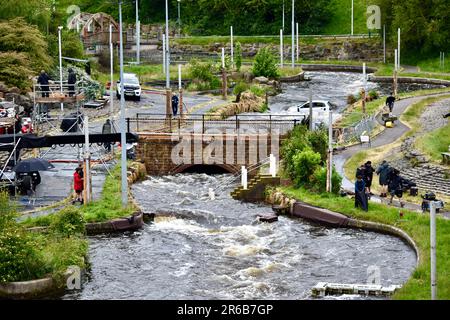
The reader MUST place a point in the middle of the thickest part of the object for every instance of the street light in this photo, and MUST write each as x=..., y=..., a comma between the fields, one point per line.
x=179, y=19
x=168, y=92
x=123, y=140
x=293, y=34
x=138, y=35
x=60, y=64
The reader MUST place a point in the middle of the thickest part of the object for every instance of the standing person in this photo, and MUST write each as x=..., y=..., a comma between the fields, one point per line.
x=368, y=175
x=396, y=187
x=72, y=81
x=175, y=105
x=361, y=200
x=361, y=171
x=78, y=185
x=43, y=81
x=390, y=102
x=383, y=171
x=107, y=130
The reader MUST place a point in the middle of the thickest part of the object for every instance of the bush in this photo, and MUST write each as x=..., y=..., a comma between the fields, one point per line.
x=68, y=222
x=319, y=181
x=305, y=163
x=19, y=256
x=265, y=64
x=238, y=56
x=319, y=142
x=202, y=74
x=15, y=70
x=7, y=211
x=351, y=99
x=373, y=95
x=258, y=90
x=239, y=89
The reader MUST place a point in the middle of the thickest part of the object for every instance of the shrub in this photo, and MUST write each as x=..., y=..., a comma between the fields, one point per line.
x=373, y=95
x=202, y=74
x=68, y=222
x=19, y=256
x=319, y=142
x=239, y=89
x=238, y=56
x=7, y=211
x=318, y=181
x=295, y=143
x=305, y=163
x=265, y=64
x=258, y=90
x=351, y=99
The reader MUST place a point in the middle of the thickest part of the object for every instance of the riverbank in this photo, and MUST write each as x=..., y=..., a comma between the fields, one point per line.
x=414, y=224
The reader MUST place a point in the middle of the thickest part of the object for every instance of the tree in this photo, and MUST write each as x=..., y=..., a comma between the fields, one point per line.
x=18, y=36
x=37, y=12
x=15, y=69
x=265, y=64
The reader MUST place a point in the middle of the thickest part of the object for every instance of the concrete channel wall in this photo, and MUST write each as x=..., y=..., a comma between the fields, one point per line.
x=333, y=219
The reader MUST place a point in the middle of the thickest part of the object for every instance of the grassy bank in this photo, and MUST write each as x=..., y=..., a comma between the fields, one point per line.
x=435, y=141
x=416, y=225
x=108, y=207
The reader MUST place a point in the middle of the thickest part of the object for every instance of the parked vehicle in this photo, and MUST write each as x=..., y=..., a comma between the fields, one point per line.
x=132, y=87
x=320, y=109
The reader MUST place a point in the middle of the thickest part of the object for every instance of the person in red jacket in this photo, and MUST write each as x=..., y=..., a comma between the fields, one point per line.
x=78, y=184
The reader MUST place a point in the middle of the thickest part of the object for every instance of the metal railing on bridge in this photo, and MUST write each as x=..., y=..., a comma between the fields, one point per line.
x=210, y=123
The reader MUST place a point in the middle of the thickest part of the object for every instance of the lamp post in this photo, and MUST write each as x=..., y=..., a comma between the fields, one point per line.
x=111, y=87
x=168, y=91
x=179, y=18
x=123, y=139
x=282, y=27
x=352, y=15
x=138, y=35
x=60, y=64
x=293, y=35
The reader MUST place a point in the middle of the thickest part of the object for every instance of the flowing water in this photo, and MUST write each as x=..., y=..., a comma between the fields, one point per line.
x=202, y=249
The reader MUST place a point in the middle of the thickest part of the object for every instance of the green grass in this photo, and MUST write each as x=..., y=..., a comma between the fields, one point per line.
x=414, y=224
x=434, y=143
x=340, y=22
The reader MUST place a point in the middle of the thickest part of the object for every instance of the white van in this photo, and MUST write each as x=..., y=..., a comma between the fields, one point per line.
x=132, y=87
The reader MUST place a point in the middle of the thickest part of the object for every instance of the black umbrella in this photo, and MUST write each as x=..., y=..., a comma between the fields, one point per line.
x=33, y=165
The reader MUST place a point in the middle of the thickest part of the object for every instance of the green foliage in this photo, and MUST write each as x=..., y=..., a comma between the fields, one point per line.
x=68, y=222
x=257, y=90
x=18, y=36
x=373, y=94
x=265, y=64
x=240, y=88
x=72, y=46
x=238, y=56
x=424, y=25
x=19, y=256
x=202, y=75
x=19, y=252
x=15, y=69
x=305, y=163
x=37, y=12
x=319, y=142
x=319, y=181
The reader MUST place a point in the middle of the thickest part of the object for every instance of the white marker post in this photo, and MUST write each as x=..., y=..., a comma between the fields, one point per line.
x=180, y=89
x=365, y=76
x=87, y=160
x=232, y=46
x=293, y=35
x=398, y=52
x=396, y=60
x=223, y=58
x=138, y=35
x=164, y=53
x=273, y=165
x=298, y=44
x=330, y=153
x=244, y=178
x=111, y=87
x=384, y=43
x=352, y=16
x=311, y=127
x=281, y=48
x=433, y=249
x=60, y=65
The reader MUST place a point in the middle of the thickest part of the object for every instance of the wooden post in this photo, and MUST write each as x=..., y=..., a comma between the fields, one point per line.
x=168, y=103
x=363, y=95
x=182, y=115
x=395, y=83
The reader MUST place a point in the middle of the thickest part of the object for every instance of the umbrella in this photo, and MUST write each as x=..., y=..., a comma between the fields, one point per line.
x=33, y=165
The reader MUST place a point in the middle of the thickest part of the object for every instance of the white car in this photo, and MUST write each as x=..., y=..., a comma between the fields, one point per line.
x=320, y=109
x=132, y=87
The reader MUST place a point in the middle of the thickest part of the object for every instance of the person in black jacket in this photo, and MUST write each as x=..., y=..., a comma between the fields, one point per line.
x=72, y=81
x=368, y=175
x=396, y=187
x=390, y=102
x=43, y=81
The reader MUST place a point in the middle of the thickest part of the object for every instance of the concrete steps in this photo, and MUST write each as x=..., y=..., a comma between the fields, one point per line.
x=255, y=188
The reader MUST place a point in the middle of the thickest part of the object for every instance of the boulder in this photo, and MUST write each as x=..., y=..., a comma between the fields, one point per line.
x=261, y=80
x=14, y=90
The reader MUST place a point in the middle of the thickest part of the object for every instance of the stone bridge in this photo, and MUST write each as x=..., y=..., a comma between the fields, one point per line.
x=213, y=153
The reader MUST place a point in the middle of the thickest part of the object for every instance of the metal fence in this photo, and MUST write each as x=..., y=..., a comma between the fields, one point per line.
x=205, y=123
x=353, y=133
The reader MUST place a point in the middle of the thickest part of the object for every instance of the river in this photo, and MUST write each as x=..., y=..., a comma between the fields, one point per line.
x=202, y=249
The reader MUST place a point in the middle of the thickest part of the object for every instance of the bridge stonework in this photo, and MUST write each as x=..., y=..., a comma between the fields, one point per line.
x=171, y=154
